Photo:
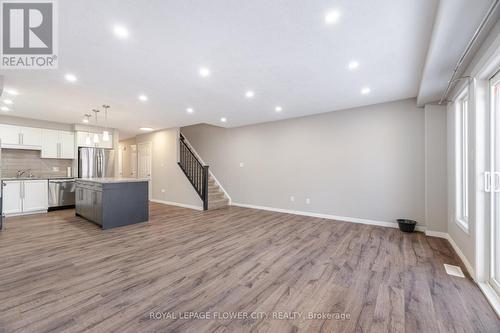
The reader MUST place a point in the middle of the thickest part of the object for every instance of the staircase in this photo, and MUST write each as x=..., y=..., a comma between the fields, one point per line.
x=216, y=197
x=201, y=179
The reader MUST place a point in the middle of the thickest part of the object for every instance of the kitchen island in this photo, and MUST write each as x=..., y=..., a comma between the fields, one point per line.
x=112, y=202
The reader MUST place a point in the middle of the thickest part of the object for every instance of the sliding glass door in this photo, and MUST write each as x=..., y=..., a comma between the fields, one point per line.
x=493, y=179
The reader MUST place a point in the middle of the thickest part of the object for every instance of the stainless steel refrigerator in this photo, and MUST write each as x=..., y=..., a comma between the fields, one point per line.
x=96, y=162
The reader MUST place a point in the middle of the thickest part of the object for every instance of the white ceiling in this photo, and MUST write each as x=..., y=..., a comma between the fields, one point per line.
x=281, y=49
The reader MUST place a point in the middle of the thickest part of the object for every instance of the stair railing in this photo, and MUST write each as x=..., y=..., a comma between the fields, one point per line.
x=195, y=171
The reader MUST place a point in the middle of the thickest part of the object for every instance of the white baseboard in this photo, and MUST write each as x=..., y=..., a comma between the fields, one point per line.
x=172, y=203
x=459, y=252
x=326, y=216
x=462, y=257
x=439, y=234
x=26, y=213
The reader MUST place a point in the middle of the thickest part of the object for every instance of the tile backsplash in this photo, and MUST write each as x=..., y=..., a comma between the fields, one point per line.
x=19, y=159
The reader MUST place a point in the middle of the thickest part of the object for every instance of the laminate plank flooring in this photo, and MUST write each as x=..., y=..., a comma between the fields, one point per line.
x=59, y=273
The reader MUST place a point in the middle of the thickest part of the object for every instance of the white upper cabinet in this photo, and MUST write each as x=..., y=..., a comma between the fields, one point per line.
x=20, y=137
x=50, y=144
x=10, y=135
x=66, y=145
x=105, y=144
x=31, y=136
x=81, y=138
x=58, y=144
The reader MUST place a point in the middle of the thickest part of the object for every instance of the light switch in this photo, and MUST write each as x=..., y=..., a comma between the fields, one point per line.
x=242, y=164
x=308, y=201
x=292, y=198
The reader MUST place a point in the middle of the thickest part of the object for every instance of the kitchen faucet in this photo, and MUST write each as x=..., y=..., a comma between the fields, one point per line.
x=22, y=172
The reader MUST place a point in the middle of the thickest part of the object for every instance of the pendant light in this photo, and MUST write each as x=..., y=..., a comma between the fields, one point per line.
x=105, y=133
x=86, y=120
x=96, y=136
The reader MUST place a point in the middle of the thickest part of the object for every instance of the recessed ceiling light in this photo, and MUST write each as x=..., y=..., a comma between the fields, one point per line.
x=223, y=119
x=366, y=91
x=70, y=77
x=146, y=129
x=85, y=120
x=189, y=110
x=353, y=65
x=4, y=108
x=120, y=31
x=249, y=94
x=143, y=98
x=12, y=92
x=278, y=109
x=8, y=101
x=332, y=17
x=204, y=72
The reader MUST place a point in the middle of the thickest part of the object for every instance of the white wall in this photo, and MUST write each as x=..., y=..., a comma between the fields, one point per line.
x=436, y=206
x=363, y=163
x=166, y=174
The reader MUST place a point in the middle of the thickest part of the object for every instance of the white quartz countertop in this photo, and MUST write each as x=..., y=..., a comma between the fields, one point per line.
x=112, y=180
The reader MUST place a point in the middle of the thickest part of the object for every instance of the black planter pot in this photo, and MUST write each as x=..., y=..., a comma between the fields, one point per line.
x=406, y=225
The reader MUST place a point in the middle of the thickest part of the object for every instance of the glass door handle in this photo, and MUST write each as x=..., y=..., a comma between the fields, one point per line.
x=487, y=181
x=496, y=181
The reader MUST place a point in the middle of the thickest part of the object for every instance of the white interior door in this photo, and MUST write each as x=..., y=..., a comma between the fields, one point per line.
x=144, y=162
x=120, y=160
x=494, y=268
x=133, y=161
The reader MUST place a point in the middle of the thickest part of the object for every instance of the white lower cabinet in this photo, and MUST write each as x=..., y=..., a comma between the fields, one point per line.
x=12, y=202
x=25, y=196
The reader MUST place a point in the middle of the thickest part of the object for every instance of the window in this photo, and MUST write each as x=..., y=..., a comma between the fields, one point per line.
x=462, y=161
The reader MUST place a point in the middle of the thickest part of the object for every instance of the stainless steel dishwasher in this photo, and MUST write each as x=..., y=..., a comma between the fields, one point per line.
x=61, y=193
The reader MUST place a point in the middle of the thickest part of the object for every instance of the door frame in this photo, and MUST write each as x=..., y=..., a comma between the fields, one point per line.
x=493, y=218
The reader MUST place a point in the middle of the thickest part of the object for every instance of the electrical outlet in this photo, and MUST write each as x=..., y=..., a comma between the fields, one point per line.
x=242, y=164
x=292, y=198
x=55, y=169
x=308, y=201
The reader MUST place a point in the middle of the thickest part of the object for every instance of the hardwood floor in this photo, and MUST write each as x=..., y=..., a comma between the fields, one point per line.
x=59, y=273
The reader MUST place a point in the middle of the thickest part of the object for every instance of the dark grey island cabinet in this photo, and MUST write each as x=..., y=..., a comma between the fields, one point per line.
x=112, y=202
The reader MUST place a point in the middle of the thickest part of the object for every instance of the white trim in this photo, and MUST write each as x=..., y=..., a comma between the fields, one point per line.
x=462, y=257
x=491, y=296
x=42, y=211
x=327, y=216
x=178, y=204
x=439, y=234
x=462, y=225
x=209, y=170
